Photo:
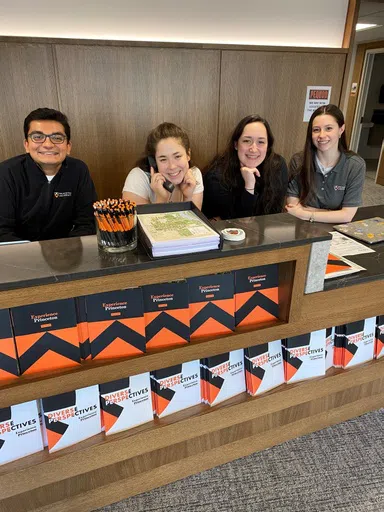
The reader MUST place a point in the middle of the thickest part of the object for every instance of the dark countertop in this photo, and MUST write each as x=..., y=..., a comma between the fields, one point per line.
x=373, y=262
x=51, y=261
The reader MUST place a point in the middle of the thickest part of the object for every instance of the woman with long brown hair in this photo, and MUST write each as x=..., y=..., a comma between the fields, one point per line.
x=248, y=178
x=326, y=179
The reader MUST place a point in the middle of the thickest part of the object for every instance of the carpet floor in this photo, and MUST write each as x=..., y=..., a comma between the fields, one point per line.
x=339, y=468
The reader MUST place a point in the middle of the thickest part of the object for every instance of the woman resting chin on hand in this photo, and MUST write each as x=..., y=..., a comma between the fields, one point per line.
x=248, y=178
x=164, y=174
x=326, y=179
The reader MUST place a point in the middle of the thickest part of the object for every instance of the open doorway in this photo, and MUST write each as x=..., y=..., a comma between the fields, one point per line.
x=368, y=126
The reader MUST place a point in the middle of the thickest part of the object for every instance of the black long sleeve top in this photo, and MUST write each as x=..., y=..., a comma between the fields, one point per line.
x=233, y=203
x=32, y=208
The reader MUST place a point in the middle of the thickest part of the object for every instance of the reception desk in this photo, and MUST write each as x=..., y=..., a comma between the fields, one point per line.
x=104, y=470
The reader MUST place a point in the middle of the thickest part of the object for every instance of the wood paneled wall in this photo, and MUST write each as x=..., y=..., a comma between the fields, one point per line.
x=114, y=94
x=274, y=85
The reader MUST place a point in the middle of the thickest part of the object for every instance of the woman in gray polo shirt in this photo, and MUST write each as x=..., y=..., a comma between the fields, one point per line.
x=326, y=180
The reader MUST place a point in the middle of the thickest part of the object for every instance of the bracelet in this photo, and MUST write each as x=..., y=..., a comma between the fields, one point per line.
x=312, y=217
x=250, y=189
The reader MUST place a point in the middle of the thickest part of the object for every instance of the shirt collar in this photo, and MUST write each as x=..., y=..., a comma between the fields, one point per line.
x=33, y=166
x=340, y=164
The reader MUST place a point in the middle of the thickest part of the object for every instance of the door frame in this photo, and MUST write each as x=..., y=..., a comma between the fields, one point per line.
x=355, y=98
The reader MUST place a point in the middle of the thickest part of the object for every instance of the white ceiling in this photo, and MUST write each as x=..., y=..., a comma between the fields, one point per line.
x=371, y=12
x=259, y=22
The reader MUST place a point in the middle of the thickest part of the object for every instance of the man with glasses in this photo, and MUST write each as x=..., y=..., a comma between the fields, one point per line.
x=45, y=194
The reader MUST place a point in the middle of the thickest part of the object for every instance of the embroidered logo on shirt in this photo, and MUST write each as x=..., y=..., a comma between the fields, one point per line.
x=339, y=187
x=62, y=194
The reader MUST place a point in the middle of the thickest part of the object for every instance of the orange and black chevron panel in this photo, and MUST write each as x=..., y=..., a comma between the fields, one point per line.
x=256, y=295
x=211, y=305
x=116, y=324
x=166, y=314
x=8, y=361
x=335, y=264
x=46, y=336
x=82, y=326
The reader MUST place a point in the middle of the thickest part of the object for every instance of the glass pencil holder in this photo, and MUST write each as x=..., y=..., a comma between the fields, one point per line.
x=117, y=233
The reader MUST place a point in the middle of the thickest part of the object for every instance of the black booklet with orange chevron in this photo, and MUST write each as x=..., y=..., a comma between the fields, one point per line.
x=256, y=295
x=9, y=369
x=116, y=323
x=126, y=403
x=379, y=338
x=82, y=326
x=175, y=388
x=211, y=305
x=46, y=335
x=71, y=417
x=354, y=342
x=264, y=368
x=166, y=314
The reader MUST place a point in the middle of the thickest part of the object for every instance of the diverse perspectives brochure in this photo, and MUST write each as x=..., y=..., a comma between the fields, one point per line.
x=71, y=417
x=175, y=388
x=379, y=342
x=223, y=376
x=126, y=403
x=20, y=433
x=329, y=347
x=264, y=368
x=304, y=356
x=354, y=342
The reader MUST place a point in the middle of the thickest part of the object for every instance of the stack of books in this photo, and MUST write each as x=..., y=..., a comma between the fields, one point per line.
x=177, y=232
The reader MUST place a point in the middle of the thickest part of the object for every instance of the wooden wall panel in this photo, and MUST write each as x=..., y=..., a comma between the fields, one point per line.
x=115, y=95
x=27, y=81
x=274, y=84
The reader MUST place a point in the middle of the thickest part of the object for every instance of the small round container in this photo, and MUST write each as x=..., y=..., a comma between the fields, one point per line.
x=233, y=234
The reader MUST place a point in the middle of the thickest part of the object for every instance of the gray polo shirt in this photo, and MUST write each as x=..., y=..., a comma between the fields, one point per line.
x=342, y=186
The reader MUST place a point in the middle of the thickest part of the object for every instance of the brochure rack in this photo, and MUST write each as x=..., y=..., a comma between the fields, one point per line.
x=105, y=470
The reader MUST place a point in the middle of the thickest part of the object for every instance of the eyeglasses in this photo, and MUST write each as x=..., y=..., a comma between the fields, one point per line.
x=55, y=138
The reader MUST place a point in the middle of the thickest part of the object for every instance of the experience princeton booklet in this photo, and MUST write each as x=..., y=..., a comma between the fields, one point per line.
x=181, y=232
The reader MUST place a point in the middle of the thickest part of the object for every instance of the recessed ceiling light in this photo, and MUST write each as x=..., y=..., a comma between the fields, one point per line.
x=365, y=26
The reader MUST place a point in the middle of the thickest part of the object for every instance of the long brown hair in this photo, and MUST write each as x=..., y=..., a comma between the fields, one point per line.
x=306, y=170
x=229, y=164
x=163, y=131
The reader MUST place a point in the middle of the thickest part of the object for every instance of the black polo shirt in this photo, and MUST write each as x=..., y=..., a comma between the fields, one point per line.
x=32, y=208
x=341, y=187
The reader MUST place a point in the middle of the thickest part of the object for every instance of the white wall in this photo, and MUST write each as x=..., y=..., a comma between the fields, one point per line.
x=262, y=22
